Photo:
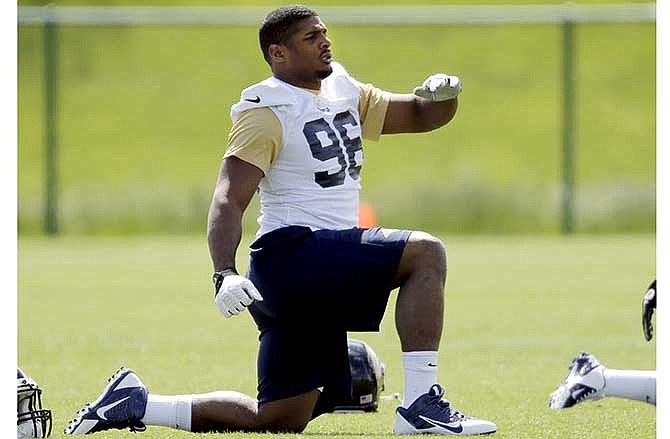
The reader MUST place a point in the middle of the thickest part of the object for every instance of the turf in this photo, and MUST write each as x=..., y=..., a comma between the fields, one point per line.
x=143, y=121
x=518, y=310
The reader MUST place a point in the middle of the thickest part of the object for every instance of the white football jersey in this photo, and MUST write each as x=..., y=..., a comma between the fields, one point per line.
x=315, y=179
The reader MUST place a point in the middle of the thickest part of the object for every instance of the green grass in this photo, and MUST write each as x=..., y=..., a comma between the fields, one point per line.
x=518, y=309
x=144, y=119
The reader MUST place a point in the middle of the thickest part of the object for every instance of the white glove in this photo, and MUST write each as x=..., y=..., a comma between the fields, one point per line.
x=235, y=294
x=439, y=87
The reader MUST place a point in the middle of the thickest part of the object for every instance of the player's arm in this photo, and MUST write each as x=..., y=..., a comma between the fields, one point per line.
x=252, y=146
x=234, y=189
x=432, y=105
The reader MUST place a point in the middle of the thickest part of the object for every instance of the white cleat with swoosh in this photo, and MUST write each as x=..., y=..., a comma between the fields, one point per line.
x=430, y=414
x=121, y=405
x=585, y=381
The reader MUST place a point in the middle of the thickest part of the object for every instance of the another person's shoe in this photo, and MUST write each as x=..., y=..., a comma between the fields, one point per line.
x=431, y=414
x=585, y=380
x=121, y=405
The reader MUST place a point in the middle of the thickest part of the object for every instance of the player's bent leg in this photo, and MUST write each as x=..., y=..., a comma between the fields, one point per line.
x=124, y=403
x=421, y=275
x=289, y=414
x=234, y=411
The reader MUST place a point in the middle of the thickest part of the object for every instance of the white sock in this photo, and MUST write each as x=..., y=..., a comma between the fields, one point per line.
x=420, y=373
x=639, y=385
x=169, y=411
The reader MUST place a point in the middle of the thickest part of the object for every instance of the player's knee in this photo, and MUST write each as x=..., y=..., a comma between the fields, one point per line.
x=431, y=251
x=424, y=255
x=285, y=416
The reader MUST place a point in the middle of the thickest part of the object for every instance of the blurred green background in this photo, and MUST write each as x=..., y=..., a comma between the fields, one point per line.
x=143, y=122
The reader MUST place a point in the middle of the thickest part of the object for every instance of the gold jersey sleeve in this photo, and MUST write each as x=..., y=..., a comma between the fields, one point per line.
x=256, y=138
x=372, y=108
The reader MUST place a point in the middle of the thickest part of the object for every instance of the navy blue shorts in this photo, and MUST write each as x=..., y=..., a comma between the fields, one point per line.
x=316, y=286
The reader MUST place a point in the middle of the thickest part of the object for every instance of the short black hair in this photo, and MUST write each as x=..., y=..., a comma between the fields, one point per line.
x=278, y=26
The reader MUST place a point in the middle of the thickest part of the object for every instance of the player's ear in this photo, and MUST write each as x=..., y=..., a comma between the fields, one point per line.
x=277, y=53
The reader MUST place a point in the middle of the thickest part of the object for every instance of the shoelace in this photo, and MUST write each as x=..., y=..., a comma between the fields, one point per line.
x=588, y=363
x=445, y=405
x=454, y=415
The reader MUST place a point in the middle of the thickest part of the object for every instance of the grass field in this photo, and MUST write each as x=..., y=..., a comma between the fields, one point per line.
x=518, y=310
x=143, y=121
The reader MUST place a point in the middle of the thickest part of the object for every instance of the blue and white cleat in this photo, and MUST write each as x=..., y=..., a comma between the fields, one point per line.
x=121, y=405
x=431, y=414
x=585, y=380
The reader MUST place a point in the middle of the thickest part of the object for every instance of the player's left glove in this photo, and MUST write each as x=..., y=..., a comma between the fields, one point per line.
x=439, y=87
x=648, y=307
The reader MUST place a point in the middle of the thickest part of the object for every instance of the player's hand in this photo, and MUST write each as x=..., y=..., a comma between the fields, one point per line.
x=648, y=307
x=235, y=294
x=439, y=87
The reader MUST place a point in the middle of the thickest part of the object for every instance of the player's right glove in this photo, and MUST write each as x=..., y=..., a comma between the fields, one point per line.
x=648, y=307
x=233, y=293
x=439, y=87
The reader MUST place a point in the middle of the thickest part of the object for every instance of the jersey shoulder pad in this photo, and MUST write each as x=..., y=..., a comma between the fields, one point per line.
x=268, y=93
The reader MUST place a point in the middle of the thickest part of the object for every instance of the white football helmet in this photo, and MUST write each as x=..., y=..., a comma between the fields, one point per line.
x=32, y=419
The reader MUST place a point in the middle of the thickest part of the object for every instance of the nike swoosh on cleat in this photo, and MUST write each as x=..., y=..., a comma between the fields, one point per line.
x=255, y=101
x=104, y=409
x=458, y=428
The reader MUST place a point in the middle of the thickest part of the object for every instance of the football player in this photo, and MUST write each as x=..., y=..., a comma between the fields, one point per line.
x=588, y=379
x=297, y=139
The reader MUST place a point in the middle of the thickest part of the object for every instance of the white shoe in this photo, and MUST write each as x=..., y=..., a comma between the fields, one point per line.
x=585, y=380
x=121, y=405
x=431, y=414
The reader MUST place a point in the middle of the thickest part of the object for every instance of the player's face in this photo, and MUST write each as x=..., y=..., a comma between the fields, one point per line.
x=309, y=55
